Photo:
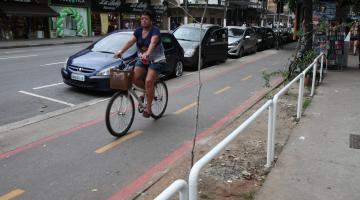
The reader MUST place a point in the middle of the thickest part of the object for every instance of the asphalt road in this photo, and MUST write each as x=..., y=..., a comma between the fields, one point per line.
x=79, y=159
x=31, y=83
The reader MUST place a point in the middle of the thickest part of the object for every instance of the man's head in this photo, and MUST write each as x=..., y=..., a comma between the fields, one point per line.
x=147, y=18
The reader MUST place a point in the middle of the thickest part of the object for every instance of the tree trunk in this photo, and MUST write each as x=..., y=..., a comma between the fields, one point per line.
x=308, y=13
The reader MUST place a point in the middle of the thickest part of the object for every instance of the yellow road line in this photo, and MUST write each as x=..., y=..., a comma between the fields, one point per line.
x=222, y=90
x=12, y=194
x=118, y=141
x=246, y=78
x=185, y=108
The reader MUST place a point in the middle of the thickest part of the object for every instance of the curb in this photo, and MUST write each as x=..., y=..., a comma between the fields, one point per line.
x=38, y=118
x=47, y=44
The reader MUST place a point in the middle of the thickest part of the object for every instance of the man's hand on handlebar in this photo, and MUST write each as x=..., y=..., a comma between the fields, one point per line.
x=118, y=54
x=144, y=56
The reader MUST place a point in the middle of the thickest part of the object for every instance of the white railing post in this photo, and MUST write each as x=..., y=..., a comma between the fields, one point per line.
x=269, y=137
x=313, y=78
x=273, y=127
x=321, y=67
x=300, y=97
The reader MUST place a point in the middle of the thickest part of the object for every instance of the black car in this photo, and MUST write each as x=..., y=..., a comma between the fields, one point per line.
x=270, y=38
x=90, y=67
x=214, y=43
x=266, y=37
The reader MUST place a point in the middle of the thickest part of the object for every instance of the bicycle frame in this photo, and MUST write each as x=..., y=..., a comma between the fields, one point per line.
x=132, y=92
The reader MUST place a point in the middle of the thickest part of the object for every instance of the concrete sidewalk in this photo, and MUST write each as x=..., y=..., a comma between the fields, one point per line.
x=317, y=163
x=46, y=42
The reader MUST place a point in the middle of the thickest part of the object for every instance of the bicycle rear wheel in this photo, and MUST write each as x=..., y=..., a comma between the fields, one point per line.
x=160, y=101
x=120, y=114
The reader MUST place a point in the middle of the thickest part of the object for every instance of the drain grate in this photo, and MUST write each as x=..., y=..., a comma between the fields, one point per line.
x=354, y=141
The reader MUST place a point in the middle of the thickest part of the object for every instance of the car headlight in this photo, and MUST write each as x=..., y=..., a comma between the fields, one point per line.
x=259, y=40
x=235, y=43
x=189, y=52
x=65, y=64
x=106, y=72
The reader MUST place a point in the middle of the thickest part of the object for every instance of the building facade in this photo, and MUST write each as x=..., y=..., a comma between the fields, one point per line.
x=74, y=18
x=25, y=19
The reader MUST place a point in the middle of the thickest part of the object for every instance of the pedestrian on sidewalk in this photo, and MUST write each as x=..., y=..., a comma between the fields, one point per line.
x=354, y=37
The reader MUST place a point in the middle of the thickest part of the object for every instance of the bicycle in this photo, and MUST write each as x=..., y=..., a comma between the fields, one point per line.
x=120, y=111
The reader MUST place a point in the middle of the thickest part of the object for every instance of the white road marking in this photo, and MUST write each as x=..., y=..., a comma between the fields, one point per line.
x=188, y=74
x=47, y=98
x=46, y=86
x=52, y=64
x=13, y=57
x=77, y=46
x=21, y=51
x=10, y=52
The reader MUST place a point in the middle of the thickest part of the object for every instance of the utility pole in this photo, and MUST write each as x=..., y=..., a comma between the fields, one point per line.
x=225, y=11
x=186, y=8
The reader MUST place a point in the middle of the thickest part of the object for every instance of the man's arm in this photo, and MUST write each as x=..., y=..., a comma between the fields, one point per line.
x=154, y=41
x=128, y=44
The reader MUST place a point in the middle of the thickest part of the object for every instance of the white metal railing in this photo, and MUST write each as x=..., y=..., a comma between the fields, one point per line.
x=191, y=192
x=195, y=170
x=177, y=186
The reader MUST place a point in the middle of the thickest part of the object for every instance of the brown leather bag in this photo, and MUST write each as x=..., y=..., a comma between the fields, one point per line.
x=120, y=79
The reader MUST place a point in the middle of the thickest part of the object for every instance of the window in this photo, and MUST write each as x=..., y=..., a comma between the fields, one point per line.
x=167, y=42
x=219, y=21
x=235, y=32
x=220, y=35
x=189, y=34
x=212, y=20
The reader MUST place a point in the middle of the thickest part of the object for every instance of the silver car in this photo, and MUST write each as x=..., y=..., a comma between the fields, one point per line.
x=241, y=40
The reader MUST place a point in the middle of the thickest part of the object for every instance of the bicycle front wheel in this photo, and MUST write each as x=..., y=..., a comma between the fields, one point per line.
x=120, y=114
x=160, y=101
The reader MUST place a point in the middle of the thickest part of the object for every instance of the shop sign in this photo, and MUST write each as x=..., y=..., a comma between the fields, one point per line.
x=139, y=7
x=105, y=5
x=325, y=10
x=69, y=2
x=18, y=1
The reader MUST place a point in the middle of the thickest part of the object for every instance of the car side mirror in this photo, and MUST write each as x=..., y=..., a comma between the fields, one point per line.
x=247, y=37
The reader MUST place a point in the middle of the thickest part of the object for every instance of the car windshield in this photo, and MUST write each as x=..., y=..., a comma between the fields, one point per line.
x=235, y=32
x=112, y=43
x=188, y=34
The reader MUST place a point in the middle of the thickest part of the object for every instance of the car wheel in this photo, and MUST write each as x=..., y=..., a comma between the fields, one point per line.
x=255, y=48
x=179, y=68
x=241, y=52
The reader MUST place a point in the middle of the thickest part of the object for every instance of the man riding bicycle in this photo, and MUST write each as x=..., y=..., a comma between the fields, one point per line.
x=151, y=53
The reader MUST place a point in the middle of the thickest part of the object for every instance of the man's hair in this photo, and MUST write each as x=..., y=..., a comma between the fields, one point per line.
x=148, y=13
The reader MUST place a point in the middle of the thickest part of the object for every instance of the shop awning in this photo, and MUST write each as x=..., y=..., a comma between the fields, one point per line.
x=27, y=10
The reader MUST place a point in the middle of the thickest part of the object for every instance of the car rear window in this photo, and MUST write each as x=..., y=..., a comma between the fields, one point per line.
x=166, y=41
x=235, y=32
x=188, y=33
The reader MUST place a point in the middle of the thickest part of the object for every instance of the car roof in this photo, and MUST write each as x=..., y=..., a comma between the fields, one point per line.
x=197, y=25
x=129, y=32
x=238, y=27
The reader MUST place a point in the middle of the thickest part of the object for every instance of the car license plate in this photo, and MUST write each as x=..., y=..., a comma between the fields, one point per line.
x=78, y=77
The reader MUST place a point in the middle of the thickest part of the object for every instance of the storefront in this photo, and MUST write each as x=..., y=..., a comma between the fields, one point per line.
x=24, y=19
x=131, y=15
x=73, y=20
x=105, y=16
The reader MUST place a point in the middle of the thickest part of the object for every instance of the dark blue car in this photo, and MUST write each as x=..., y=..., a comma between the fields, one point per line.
x=90, y=68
